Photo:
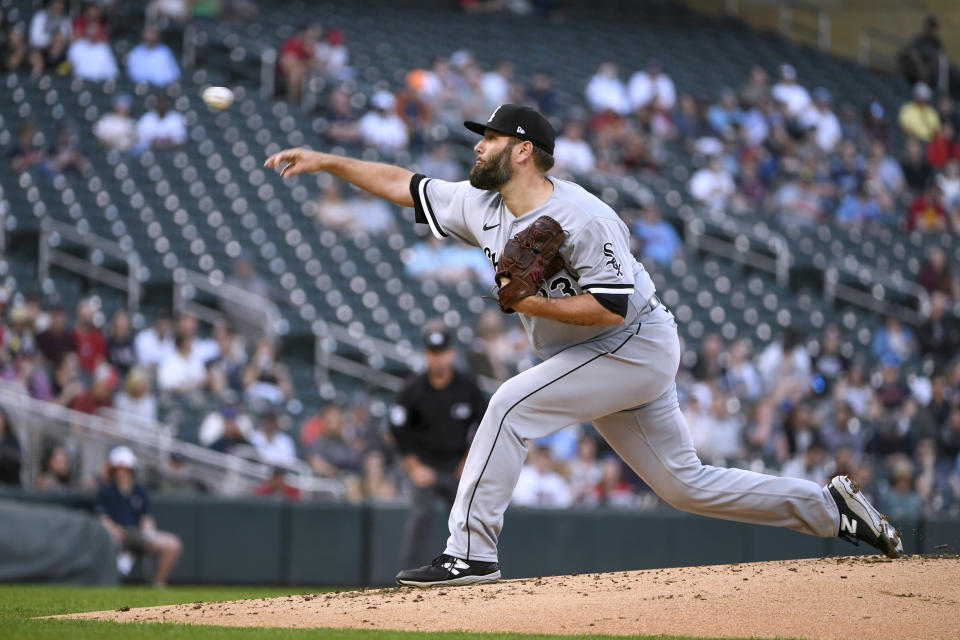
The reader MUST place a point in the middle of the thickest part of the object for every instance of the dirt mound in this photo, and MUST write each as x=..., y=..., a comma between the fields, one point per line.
x=851, y=597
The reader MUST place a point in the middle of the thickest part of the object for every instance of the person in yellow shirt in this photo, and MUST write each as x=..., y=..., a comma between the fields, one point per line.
x=917, y=117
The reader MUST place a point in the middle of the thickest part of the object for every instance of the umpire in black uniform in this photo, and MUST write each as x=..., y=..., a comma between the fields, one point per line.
x=433, y=420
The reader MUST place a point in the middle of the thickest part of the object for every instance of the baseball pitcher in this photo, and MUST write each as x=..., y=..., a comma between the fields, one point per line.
x=610, y=349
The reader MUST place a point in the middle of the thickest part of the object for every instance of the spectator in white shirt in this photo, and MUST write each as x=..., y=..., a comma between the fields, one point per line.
x=713, y=185
x=652, y=86
x=48, y=20
x=785, y=361
x=572, y=152
x=332, y=55
x=214, y=425
x=152, y=61
x=117, y=130
x=155, y=343
x=381, y=127
x=822, y=121
x=583, y=471
x=273, y=445
x=809, y=464
x=719, y=437
x=91, y=57
x=606, y=91
x=178, y=10
x=161, y=128
x=539, y=485
x=182, y=371
x=136, y=399
x=795, y=97
x=741, y=378
x=496, y=83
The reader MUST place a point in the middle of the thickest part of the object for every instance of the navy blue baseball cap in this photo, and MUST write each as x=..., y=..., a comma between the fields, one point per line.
x=437, y=340
x=520, y=122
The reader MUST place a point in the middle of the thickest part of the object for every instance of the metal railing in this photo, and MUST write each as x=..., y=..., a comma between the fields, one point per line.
x=188, y=56
x=187, y=283
x=879, y=49
x=790, y=26
x=3, y=223
x=731, y=239
x=38, y=421
x=868, y=288
x=54, y=234
x=268, y=73
x=257, y=308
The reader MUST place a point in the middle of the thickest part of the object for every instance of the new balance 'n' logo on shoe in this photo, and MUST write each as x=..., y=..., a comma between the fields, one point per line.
x=449, y=571
x=860, y=521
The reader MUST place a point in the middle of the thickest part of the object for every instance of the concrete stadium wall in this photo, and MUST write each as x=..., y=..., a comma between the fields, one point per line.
x=264, y=542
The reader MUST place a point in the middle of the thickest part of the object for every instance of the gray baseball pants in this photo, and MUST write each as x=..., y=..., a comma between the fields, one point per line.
x=625, y=386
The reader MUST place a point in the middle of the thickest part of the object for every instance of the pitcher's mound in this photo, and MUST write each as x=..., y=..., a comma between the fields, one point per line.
x=860, y=597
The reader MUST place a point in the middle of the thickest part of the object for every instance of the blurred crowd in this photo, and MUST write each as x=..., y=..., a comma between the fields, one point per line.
x=52, y=42
x=777, y=148
x=802, y=406
x=771, y=149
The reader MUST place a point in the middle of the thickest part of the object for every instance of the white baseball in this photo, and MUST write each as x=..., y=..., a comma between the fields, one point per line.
x=217, y=97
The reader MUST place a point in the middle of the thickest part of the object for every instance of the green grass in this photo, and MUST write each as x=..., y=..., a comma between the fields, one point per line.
x=20, y=604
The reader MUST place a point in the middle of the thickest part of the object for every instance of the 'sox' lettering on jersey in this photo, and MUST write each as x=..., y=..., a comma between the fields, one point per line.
x=612, y=262
x=848, y=525
x=491, y=256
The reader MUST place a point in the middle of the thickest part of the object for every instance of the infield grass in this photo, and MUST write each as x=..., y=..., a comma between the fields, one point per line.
x=21, y=604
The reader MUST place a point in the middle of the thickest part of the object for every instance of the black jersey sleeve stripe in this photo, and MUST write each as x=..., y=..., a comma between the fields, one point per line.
x=423, y=212
x=418, y=215
x=615, y=302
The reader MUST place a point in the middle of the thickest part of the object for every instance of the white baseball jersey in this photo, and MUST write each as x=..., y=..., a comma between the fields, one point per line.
x=596, y=252
x=620, y=378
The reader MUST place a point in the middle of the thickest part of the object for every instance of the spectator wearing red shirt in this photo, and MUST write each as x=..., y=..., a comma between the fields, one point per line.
x=943, y=147
x=297, y=57
x=92, y=14
x=91, y=347
x=317, y=425
x=612, y=490
x=936, y=276
x=100, y=392
x=57, y=341
x=276, y=486
x=927, y=212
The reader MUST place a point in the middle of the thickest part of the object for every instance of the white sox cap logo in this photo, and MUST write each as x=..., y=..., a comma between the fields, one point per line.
x=494, y=114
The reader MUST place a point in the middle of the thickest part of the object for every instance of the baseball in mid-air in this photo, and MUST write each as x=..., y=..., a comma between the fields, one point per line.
x=217, y=97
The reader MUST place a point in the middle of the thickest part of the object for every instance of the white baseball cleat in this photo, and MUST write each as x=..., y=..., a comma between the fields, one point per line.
x=859, y=520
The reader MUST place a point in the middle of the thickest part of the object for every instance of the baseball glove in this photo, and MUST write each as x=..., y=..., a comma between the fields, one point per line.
x=528, y=259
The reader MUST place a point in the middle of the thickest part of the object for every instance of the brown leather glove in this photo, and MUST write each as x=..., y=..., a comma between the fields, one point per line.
x=528, y=259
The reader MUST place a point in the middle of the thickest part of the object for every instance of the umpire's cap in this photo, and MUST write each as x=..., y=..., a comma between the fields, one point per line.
x=437, y=340
x=520, y=122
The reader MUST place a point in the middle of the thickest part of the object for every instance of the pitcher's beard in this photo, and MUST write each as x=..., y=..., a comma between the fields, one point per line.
x=493, y=173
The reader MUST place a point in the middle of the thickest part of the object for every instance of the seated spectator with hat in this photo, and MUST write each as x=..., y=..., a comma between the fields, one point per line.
x=124, y=509
x=274, y=446
x=117, y=130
